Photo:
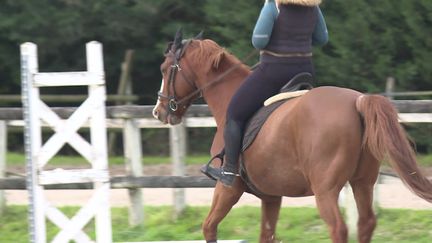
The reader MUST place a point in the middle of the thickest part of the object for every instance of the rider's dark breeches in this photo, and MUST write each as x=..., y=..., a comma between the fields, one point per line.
x=264, y=82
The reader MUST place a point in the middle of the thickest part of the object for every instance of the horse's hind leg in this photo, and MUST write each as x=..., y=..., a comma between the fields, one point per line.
x=224, y=199
x=363, y=187
x=363, y=194
x=270, y=214
x=327, y=203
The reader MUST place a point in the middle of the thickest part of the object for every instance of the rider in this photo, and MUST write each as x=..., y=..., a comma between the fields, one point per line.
x=284, y=33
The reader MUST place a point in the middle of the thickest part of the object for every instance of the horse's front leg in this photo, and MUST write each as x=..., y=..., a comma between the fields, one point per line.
x=224, y=198
x=270, y=207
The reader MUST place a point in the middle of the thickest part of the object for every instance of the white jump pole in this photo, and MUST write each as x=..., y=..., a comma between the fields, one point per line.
x=3, y=151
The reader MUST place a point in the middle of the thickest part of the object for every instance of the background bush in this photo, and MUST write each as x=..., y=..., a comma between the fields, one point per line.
x=369, y=41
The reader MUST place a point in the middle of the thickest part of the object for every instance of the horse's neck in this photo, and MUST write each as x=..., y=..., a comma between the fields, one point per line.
x=219, y=95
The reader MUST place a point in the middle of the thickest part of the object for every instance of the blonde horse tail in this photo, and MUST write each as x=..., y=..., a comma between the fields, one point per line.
x=387, y=140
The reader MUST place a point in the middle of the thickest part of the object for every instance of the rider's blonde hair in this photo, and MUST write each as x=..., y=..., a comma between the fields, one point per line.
x=300, y=2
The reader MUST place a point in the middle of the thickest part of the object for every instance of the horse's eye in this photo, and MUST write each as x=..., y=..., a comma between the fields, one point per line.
x=168, y=48
x=163, y=69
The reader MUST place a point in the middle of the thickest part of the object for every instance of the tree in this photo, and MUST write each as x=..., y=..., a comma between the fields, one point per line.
x=371, y=40
x=230, y=23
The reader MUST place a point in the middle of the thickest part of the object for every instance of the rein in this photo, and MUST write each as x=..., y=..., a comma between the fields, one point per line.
x=216, y=80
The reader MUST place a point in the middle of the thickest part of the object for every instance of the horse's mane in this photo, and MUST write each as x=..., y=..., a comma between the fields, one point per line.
x=208, y=52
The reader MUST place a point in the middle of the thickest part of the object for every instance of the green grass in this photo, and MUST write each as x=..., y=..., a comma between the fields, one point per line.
x=295, y=225
x=18, y=159
x=425, y=160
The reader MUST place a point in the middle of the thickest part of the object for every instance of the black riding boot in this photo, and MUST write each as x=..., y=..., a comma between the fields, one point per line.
x=233, y=135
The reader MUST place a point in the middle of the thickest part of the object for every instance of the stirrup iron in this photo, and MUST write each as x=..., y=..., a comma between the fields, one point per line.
x=229, y=173
x=204, y=169
x=220, y=156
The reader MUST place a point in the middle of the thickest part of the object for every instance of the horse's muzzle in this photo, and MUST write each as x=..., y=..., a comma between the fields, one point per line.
x=162, y=115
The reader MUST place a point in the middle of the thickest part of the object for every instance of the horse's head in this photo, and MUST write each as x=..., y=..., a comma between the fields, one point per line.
x=182, y=71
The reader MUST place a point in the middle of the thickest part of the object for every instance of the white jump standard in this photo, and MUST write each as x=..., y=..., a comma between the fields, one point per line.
x=92, y=110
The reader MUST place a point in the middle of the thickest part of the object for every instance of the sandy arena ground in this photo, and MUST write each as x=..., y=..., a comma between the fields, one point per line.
x=392, y=194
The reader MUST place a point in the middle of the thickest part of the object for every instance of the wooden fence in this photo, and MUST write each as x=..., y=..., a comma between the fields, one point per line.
x=131, y=118
x=197, y=116
x=195, y=111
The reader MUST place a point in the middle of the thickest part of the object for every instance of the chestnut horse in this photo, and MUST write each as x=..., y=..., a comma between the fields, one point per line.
x=310, y=145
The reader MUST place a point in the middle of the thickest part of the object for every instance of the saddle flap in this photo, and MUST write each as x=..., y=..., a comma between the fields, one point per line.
x=255, y=123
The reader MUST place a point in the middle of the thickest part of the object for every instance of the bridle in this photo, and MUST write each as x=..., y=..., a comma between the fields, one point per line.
x=177, y=54
x=173, y=101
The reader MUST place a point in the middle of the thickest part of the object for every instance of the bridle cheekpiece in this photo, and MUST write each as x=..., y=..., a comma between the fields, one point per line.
x=176, y=51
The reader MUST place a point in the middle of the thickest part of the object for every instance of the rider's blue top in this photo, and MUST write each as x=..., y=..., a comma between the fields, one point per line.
x=287, y=29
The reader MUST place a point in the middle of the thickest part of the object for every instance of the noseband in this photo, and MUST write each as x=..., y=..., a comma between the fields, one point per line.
x=173, y=101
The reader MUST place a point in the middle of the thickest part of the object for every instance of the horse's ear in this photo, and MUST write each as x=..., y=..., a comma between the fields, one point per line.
x=217, y=59
x=178, y=38
x=199, y=36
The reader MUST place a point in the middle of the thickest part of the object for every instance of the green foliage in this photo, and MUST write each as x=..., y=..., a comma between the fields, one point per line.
x=421, y=134
x=230, y=23
x=369, y=40
x=61, y=28
x=295, y=225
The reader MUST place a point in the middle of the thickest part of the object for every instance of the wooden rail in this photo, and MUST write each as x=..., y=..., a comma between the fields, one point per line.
x=122, y=182
x=145, y=111
x=407, y=93
x=65, y=98
x=125, y=112
x=129, y=182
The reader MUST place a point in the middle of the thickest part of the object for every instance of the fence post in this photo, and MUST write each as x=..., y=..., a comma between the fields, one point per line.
x=350, y=212
x=3, y=151
x=390, y=84
x=124, y=88
x=133, y=157
x=178, y=156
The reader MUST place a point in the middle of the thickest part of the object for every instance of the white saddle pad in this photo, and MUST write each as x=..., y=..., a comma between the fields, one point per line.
x=284, y=96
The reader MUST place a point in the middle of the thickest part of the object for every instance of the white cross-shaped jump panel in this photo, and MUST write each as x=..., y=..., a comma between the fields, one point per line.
x=91, y=111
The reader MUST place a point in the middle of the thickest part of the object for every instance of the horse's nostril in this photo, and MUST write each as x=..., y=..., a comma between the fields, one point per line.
x=155, y=114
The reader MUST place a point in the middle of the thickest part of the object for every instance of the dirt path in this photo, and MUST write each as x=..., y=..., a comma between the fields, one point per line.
x=392, y=194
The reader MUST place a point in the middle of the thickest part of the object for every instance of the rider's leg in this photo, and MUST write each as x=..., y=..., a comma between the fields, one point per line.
x=233, y=134
x=246, y=101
